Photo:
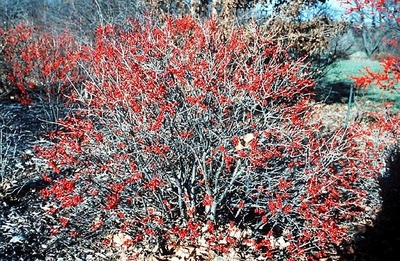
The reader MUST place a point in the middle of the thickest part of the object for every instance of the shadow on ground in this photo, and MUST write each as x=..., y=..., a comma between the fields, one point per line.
x=337, y=92
x=381, y=240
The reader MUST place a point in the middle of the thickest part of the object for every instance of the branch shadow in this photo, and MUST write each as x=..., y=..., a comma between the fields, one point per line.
x=337, y=92
x=381, y=240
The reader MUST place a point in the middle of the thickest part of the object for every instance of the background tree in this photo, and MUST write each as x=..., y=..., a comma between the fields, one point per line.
x=378, y=23
x=386, y=16
x=13, y=12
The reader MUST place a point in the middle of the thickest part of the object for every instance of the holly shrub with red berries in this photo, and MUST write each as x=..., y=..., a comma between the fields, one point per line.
x=40, y=64
x=178, y=136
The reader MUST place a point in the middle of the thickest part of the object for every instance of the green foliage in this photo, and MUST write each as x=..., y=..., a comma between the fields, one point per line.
x=338, y=78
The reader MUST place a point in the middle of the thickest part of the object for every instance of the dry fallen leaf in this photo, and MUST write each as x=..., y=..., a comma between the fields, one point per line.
x=120, y=238
x=244, y=141
x=248, y=137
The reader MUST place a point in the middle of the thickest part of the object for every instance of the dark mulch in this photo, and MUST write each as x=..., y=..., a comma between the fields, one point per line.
x=24, y=233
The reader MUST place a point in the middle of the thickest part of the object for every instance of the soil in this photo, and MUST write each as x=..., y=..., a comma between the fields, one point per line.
x=24, y=223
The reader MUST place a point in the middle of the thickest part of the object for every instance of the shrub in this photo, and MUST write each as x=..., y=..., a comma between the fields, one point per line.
x=180, y=134
x=386, y=79
x=40, y=64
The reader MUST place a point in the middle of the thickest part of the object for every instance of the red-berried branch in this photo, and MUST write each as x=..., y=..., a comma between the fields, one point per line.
x=178, y=133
